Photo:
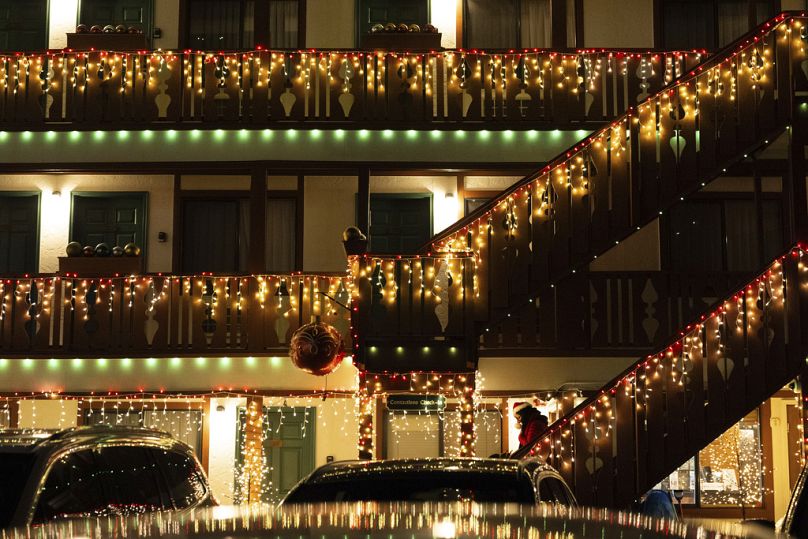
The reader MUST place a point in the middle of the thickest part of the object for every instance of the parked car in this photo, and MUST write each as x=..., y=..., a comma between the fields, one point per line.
x=795, y=521
x=391, y=520
x=96, y=470
x=434, y=479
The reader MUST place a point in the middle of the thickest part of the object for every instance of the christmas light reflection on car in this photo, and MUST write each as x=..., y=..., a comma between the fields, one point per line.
x=389, y=520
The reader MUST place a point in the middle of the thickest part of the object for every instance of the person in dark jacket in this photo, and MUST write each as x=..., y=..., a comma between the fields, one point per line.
x=532, y=423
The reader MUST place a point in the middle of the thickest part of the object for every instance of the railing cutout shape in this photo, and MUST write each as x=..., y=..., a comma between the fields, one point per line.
x=88, y=90
x=664, y=408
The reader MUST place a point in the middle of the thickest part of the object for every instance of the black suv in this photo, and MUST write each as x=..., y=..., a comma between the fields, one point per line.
x=97, y=470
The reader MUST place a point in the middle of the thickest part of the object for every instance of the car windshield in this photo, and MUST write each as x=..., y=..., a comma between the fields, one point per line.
x=14, y=471
x=426, y=486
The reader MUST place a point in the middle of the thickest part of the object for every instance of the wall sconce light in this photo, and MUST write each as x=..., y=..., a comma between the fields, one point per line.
x=57, y=194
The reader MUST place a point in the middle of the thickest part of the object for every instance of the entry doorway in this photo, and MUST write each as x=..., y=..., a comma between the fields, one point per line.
x=289, y=446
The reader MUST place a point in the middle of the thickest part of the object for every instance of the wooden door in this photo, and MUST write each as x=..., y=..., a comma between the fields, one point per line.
x=111, y=218
x=289, y=442
x=18, y=234
x=399, y=224
x=213, y=235
x=23, y=25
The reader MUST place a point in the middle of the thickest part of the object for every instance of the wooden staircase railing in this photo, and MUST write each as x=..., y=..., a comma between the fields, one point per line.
x=548, y=226
x=665, y=407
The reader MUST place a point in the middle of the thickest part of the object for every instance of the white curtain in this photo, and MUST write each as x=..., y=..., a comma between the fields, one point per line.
x=281, y=232
x=571, y=23
x=536, y=25
x=491, y=25
x=283, y=24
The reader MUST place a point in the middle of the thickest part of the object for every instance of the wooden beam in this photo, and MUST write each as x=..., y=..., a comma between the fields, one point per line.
x=558, y=23
x=363, y=201
x=176, y=233
x=256, y=257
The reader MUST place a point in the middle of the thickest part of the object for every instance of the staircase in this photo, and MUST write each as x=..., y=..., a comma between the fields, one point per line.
x=659, y=412
x=432, y=310
x=514, y=252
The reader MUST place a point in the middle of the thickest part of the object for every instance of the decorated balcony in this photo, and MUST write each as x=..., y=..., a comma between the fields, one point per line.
x=160, y=315
x=260, y=88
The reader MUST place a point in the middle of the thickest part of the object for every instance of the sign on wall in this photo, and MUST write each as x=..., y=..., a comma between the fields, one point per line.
x=416, y=403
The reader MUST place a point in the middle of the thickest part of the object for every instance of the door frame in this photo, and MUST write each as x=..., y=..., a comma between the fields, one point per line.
x=143, y=195
x=310, y=417
x=38, y=226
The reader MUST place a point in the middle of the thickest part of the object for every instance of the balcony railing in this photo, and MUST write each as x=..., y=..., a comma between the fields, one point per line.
x=402, y=300
x=92, y=90
x=155, y=314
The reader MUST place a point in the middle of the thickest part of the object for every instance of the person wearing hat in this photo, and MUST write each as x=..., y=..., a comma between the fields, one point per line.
x=532, y=423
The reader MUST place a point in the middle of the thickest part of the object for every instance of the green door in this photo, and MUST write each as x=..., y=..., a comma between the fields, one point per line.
x=399, y=223
x=18, y=234
x=114, y=219
x=288, y=448
x=397, y=11
x=137, y=13
x=23, y=25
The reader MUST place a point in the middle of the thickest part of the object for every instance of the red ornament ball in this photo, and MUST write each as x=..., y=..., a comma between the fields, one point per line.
x=316, y=348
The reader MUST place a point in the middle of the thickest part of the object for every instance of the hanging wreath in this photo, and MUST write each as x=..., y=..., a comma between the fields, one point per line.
x=316, y=348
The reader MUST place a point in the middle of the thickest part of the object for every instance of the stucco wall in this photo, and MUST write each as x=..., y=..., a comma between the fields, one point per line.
x=55, y=210
x=330, y=24
x=606, y=23
x=167, y=19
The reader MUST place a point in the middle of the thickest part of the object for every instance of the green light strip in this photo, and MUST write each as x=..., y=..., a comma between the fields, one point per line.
x=531, y=146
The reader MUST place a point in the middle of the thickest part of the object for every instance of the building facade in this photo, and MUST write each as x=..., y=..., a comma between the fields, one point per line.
x=233, y=142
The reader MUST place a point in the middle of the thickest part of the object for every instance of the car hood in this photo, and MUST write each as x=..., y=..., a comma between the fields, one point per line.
x=389, y=521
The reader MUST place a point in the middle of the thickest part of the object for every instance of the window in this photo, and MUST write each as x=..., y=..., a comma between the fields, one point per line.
x=710, y=24
x=23, y=25
x=396, y=11
x=722, y=235
x=19, y=220
x=473, y=203
x=131, y=479
x=243, y=24
x=184, y=425
x=515, y=24
x=399, y=223
x=111, y=218
x=184, y=483
x=215, y=235
x=728, y=472
x=73, y=487
x=136, y=13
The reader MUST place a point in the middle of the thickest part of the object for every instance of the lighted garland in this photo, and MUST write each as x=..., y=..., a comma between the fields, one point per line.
x=62, y=76
x=597, y=415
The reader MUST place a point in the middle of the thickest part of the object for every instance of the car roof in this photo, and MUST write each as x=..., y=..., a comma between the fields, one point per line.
x=350, y=468
x=42, y=440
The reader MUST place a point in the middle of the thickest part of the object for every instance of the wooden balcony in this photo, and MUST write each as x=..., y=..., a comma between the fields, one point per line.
x=405, y=301
x=189, y=90
x=155, y=315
